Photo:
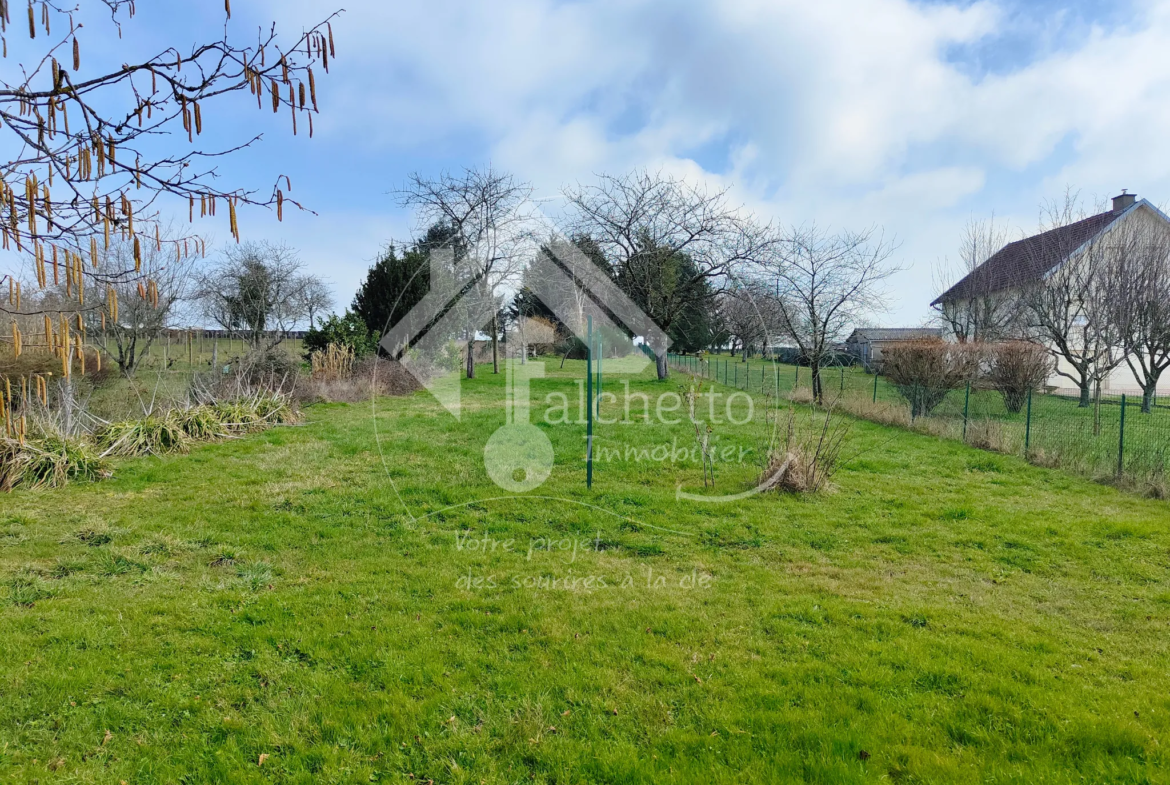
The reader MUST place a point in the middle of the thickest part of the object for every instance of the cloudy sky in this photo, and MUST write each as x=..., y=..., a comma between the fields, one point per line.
x=914, y=116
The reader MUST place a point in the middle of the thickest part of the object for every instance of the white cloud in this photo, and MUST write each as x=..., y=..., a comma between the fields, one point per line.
x=844, y=111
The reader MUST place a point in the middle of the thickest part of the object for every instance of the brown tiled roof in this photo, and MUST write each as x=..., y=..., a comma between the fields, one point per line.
x=1027, y=261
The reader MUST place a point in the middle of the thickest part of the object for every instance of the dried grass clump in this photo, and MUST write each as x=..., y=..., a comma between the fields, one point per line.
x=256, y=412
x=153, y=435
x=863, y=407
x=988, y=435
x=201, y=423
x=49, y=462
x=808, y=457
x=801, y=395
x=371, y=377
x=333, y=362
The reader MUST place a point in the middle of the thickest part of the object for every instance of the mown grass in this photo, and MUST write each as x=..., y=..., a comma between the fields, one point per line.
x=311, y=595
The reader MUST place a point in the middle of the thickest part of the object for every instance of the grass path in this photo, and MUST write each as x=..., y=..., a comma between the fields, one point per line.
x=273, y=610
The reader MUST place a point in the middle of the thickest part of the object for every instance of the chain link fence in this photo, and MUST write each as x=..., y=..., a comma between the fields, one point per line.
x=1110, y=438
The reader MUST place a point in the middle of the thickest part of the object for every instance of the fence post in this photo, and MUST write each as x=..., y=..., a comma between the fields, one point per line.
x=966, y=410
x=842, y=379
x=1028, y=427
x=1121, y=440
x=875, y=383
x=737, y=374
x=589, y=399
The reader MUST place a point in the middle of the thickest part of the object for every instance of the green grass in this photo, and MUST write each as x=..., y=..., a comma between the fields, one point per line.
x=306, y=594
x=1078, y=439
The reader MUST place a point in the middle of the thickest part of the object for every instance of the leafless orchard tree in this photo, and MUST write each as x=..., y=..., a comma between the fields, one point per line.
x=93, y=154
x=127, y=324
x=824, y=284
x=317, y=297
x=1068, y=309
x=527, y=330
x=256, y=290
x=490, y=217
x=1137, y=291
x=670, y=243
x=980, y=312
x=748, y=314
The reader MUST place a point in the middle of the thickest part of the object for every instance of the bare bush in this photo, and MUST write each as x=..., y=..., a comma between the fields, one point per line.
x=808, y=457
x=371, y=377
x=1016, y=369
x=925, y=371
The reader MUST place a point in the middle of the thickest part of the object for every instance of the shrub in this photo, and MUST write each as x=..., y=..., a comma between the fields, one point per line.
x=925, y=371
x=49, y=462
x=1017, y=368
x=808, y=457
x=348, y=330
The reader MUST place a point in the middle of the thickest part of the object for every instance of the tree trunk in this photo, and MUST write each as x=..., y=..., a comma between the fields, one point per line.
x=471, y=358
x=818, y=393
x=495, y=345
x=1086, y=394
x=660, y=363
x=1150, y=391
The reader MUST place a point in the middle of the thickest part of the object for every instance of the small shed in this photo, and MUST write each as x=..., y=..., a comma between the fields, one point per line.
x=866, y=343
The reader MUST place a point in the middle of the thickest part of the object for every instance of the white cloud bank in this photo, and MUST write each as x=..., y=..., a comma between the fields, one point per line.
x=843, y=111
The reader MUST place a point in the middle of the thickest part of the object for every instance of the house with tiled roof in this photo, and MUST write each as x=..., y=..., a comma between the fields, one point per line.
x=998, y=283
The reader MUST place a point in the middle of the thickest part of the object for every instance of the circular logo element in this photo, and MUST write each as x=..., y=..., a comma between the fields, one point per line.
x=518, y=457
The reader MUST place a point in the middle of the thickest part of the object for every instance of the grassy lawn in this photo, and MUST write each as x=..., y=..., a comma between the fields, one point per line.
x=1080, y=439
x=338, y=602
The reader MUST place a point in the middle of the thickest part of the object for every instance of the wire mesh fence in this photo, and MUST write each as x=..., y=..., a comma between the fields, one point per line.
x=1109, y=435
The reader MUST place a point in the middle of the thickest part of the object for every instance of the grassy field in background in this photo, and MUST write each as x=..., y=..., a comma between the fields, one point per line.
x=1061, y=433
x=335, y=603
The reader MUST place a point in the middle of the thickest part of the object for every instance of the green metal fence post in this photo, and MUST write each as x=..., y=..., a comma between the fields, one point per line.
x=842, y=378
x=966, y=410
x=1121, y=440
x=875, y=382
x=589, y=398
x=737, y=375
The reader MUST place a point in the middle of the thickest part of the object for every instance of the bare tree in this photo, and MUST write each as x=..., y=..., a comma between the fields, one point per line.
x=255, y=290
x=131, y=318
x=489, y=216
x=971, y=305
x=824, y=283
x=1067, y=307
x=318, y=298
x=748, y=314
x=671, y=244
x=1137, y=290
x=527, y=330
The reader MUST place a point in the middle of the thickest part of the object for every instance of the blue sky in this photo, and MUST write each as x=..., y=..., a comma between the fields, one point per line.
x=914, y=116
